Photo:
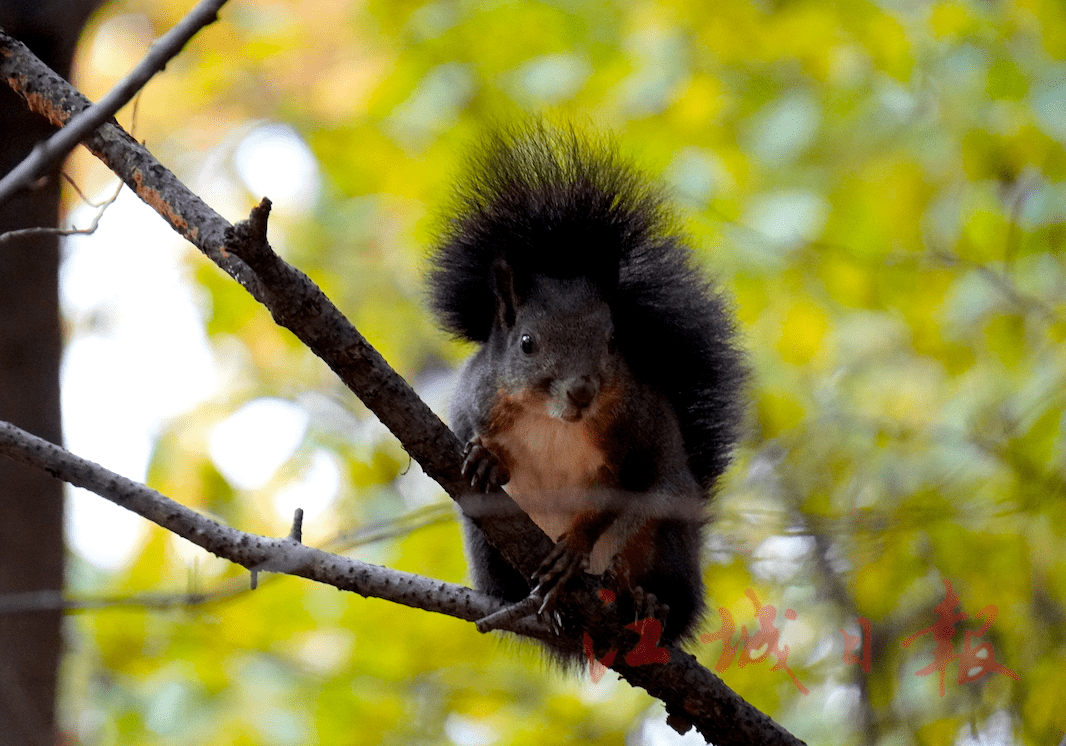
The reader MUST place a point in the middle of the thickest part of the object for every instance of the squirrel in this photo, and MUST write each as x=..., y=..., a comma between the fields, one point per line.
x=606, y=392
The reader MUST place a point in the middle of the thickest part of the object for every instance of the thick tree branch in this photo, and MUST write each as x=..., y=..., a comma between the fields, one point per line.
x=47, y=153
x=692, y=693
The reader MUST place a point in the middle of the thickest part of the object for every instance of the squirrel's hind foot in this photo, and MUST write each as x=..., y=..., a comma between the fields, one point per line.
x=645, y=605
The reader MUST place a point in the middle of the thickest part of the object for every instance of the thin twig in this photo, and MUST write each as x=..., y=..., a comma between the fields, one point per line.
x=74, y=185
x=510, y=614
x=1003, y=283
x=47, y=153
x=74, y=231
x=16, y=603
x=392, y=528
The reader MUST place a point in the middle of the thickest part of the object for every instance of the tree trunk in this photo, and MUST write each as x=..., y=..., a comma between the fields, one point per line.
x=31, y=503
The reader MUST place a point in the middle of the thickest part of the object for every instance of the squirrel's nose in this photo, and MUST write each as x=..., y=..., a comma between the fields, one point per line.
x=582, y=392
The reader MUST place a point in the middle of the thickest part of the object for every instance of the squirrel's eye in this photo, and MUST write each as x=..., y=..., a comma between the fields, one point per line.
x=527, y=344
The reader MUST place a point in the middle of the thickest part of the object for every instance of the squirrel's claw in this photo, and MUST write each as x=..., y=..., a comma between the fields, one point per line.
x=647, y=606
x=483, y=467
x=617, y=575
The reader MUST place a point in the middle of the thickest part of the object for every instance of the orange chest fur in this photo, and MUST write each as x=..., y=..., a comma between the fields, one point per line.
x=554, y=464
x=558, y=469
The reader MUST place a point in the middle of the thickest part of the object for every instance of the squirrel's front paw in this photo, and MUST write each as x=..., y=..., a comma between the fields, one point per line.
x=569, y=556
x=483, y=467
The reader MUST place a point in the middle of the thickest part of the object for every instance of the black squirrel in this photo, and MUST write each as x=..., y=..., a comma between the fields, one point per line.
x=606, y=393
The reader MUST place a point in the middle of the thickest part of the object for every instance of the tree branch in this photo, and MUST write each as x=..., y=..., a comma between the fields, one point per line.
x=45, y=154
x=257, y=553
x=693, y=695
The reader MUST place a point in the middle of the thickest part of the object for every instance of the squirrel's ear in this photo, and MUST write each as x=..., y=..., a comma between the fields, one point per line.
x=504, y=291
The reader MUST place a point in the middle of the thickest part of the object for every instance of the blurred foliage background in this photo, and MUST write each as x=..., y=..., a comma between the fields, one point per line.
x=879, y=186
